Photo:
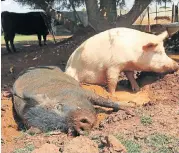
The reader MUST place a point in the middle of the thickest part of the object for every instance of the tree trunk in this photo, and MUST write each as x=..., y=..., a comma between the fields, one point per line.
x=76, y=16
x=93, y=14
x=103, y=18
x=53, y=13
x=111, y=11
x=100, y=23
x=128, y=19
x=103, y=8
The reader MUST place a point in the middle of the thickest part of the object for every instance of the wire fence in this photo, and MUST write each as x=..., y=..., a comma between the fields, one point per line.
x=158, y=15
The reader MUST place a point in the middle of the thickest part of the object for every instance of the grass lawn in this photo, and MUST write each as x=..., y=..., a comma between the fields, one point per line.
x=21, y=38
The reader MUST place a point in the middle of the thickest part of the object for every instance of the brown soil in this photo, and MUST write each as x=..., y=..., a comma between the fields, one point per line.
x=9, y=126
x=159, y=98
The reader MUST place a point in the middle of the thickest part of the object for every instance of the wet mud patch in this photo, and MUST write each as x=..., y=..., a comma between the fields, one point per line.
x=124, y=94
x=153, y=87
x=125, y=97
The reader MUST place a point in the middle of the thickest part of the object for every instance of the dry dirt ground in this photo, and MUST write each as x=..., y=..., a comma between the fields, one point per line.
x=154, y=128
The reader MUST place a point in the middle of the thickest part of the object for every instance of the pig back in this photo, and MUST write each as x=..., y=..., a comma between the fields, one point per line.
x=40, y=80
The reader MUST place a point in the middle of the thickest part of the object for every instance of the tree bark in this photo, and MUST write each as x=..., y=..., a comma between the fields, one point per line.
x=53, y=13
x=128, y=19
x=76, y=16
x=111, y=11
x=99, y=23
x=103, y=8
x=93, y=14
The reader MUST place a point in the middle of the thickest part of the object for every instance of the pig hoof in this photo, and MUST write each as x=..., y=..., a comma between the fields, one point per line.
x=137, y=89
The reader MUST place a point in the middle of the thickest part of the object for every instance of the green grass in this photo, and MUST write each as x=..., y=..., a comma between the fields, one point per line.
x=27, y=149
x=155, y=143
x=158, y=140
x=146, y=120
x=21, y=38
x=160, y=143
x=130, y=145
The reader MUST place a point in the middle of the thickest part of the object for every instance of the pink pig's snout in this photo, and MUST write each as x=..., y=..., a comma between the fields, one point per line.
x=172, y=67
x=175, y=66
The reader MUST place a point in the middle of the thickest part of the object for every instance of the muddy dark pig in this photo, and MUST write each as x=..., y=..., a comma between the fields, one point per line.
x=48, y=99
x=101, y=58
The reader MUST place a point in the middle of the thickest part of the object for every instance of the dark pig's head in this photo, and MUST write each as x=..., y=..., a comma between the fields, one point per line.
x=80, y=115
x=49, y=114
x=154, y=57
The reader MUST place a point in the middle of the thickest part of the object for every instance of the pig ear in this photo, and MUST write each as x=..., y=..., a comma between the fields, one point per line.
x=149, y=46
x=163, y=35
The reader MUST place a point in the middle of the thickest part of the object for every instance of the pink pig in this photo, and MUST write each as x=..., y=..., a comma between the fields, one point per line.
x=101, y=58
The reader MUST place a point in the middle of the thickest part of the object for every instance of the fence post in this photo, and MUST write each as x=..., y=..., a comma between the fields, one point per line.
x=176, y=13
x=173, y=12
x=156, y=12
x=149, y=30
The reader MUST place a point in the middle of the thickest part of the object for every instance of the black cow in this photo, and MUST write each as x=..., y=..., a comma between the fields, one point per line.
x=23, y=23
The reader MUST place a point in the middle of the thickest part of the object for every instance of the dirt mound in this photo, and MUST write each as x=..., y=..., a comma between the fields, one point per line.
x=166, y=89
x=8, y=123
x=49, y=148
x=155, y=122
x=114, y=117
x=81, y=144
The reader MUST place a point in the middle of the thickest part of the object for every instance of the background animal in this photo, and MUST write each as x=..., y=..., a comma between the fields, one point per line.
x=23, y=23
x=48, y=99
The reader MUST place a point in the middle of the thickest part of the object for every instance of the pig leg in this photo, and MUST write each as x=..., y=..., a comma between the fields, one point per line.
x=39, y=38
x=130, y=76
x=7, y=42
x=104, y=102
x=112, y=79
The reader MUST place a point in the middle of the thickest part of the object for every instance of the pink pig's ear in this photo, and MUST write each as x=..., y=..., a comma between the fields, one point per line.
x=149, y=46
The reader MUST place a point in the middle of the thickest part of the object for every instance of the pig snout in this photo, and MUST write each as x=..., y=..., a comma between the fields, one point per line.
x=163, y=64
x=82, y=121
x=174, y=66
